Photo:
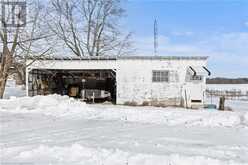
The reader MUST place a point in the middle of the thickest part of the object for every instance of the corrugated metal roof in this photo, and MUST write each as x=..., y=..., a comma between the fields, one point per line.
x=128, y=58
x=166, y=57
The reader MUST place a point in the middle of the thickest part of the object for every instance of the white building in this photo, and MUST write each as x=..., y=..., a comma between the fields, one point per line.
x=130, y=79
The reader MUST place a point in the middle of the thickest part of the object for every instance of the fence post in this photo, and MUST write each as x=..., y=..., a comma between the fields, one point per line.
x=222, y=103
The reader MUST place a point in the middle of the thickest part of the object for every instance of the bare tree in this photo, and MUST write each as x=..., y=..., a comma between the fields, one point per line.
x=89, y=27
x=17, y=40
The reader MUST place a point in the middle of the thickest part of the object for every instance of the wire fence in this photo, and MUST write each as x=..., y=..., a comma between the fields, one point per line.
x=233, y=94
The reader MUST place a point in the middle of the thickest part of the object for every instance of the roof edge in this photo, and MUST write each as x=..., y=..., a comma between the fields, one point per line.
x=128, y=58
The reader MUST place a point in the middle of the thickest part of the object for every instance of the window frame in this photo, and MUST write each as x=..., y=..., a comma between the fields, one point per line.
x=196, y=78
x=159, y=76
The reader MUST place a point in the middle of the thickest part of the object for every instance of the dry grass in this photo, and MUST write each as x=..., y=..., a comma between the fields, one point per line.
x=131, y=103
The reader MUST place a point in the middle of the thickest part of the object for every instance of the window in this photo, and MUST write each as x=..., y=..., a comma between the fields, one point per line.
x=196, y=78
x=160, y=76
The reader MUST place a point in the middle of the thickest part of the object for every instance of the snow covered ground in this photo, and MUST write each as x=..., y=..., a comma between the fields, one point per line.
x=59, y=130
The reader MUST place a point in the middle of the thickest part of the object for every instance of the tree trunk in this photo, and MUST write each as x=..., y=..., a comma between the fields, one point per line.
x=2, y=87
x=4, y=70
x=20, y=79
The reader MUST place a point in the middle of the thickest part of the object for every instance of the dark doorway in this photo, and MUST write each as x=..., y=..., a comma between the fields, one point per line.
x=99, y=85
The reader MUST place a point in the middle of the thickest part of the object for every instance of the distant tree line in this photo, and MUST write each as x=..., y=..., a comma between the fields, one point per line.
x=220, y=80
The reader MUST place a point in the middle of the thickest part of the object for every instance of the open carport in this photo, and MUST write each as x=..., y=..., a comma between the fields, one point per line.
x=90, y=85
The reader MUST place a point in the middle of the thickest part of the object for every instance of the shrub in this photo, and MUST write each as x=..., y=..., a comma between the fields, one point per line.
x=145, y=103
x=131, y=103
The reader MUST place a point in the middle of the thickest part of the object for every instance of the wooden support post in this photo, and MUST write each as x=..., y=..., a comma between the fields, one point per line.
x=186, y=99
x=93, y=98
x=222, y=103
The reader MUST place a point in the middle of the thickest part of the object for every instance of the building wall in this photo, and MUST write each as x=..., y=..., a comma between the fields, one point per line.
x=134, y=78
x=134, y=82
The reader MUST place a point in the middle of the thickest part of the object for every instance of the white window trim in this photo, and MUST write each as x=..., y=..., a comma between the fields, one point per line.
x=158, y=77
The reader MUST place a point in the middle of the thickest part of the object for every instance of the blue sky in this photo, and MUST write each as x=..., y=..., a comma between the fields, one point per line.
x=216, y=28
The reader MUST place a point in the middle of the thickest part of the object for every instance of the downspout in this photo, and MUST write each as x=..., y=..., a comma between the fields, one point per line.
x=193, y=70
x=209, y=73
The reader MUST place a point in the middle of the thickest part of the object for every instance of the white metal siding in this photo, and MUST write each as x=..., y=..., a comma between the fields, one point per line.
x=134, y=80
x=134, y=77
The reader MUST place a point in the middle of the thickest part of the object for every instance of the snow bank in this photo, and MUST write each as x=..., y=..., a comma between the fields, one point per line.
x=50, y=102
x=77, y=154
x=63, y=106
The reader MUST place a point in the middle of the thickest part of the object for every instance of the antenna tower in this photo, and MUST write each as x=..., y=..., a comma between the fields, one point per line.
x=155, y=37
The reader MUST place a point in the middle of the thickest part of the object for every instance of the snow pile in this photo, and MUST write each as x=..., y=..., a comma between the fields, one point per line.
x=51, y=102
x=77, y=154
x=63, y=106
